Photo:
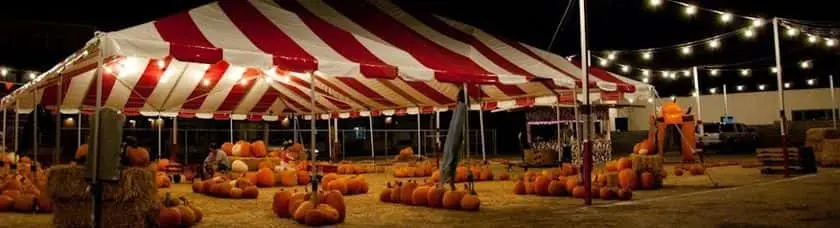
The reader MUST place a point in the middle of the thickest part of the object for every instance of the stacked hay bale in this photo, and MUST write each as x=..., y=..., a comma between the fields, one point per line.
x=830, y=153
x=131, y=202
x=815, y=138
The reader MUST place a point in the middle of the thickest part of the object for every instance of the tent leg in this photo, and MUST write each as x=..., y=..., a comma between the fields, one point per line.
x=584, y=59
x=294, y=129
x=419, y=140
x=57, y=155
x=35, y=130
x=372, y=149
x=330, y=137
x=79, y=130
x=5, y=147
x=559, y=145
x=17, y=128
x=231, y=129
x=481, y=130
x=186, y=147
x=312, y=136
x=159, y=135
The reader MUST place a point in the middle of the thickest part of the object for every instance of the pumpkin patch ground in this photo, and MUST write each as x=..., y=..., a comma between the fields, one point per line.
x=498, y=204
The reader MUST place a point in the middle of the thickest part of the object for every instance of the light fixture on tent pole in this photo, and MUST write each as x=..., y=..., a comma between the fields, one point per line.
x=758, y=22
x=787, y=85
x=830, y=42
x=774, y=70
x=805, y=64
x=686, y=73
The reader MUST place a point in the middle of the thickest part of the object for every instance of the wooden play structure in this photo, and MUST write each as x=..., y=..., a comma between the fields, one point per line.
x=672, y=114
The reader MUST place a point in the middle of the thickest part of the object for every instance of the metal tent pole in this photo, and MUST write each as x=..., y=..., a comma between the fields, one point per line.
x=372, y=150
x=5, y=147
x=312, y=133
x=57, y=155
x=584, y=65
x=330, y=137
x=481, y=125
x=79, y=129
x=34, y=114
x=725, y=101
x=559, y=145
x=159, y=127
x=833, y=102
x=697, y=98
x=96, y=187
x=419, y=146
x=174, y=137
x=780, y=89
x=231, y=128
x=17, y=127
x=294, y=128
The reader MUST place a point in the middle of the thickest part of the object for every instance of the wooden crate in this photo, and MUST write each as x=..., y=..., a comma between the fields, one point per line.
x=771, y=160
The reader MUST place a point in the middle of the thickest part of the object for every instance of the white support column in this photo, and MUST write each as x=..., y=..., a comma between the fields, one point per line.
x=34, y=114
x=584, y=63
x=833, y=102
x=372, y=150
x=294, y=128
x=5, y=147
x=159, y=127
x=725, y=101
x=312, y=133
x=419, y=140
x=231, y=128
x=697, y=98
x=79, y=129
x=330, y=137
x=781, y=91
x=559, y=145
x=17, y=127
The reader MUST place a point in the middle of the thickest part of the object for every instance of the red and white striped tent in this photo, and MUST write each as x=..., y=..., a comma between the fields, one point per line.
x=258, y=59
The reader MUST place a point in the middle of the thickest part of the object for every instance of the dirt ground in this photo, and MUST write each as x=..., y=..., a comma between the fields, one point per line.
x=744, y=198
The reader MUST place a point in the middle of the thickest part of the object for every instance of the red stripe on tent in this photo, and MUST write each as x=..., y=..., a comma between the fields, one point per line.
x=525, y=102
x=268, y=37
x=355, y=114
x=108, y=81
x=293, y=103
x=365, y=91
x=239, y=90
x=611, y=96
x=375, y=113
x=213, y=75
x=305, y=96
x=338, y=103
x=343, y=42
x=146, y=84
x=430, y=92
x=303, y=83
x=427, y=110
x=266, y=101
x=221, y=116
x=186, y=115
x=452, y=66
x=566, y=97
x=606, y=76
x=187, y=42
x=255, y=117
x=401, y=112
x=489, y=105
x=406, y=96
x=339, y=91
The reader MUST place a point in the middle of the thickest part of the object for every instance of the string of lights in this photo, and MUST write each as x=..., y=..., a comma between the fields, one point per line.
x=6, y=71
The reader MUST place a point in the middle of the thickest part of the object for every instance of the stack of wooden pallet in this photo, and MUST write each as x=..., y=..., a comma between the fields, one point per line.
x=772, y=161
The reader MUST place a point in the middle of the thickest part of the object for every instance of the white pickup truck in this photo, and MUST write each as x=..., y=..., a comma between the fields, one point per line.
x=728, y=137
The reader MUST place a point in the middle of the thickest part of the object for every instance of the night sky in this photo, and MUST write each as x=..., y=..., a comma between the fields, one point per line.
x=35, y=38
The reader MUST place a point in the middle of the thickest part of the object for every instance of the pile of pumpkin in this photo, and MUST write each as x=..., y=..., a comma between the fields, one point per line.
x=411, y=170
x=318, y=209
x=174, y=214
x=223, y=187
x=565, y=181
x=631, y=178
x=429, y=195
x=480, y=173
x=351, y=169
x=345, y=185
x=694, y=170
x=23, y=192
x=269, y=175
x=259, y=149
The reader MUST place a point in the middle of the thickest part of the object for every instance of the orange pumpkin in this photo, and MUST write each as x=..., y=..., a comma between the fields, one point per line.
x=331, y=214
x=252, y=177
x=485, y=174
x=227, y=147
x=519, y=188
x=556, y=188
x=138, y=156
x=162, y=164
x=529, y=188
x=452, y=199
x=435, y=176
x=697, y=170
x=627, y=179
x=461, y=174
x=470, y=202
x=327, y=178
x=648, y=181
x=406, y=192
x=607, y=194
x=336, y=200
x=265, y=177
x=169, y=217
x=267, y=163
x=504, y=176
x=6, y=203
x=625, y=194
x=295, y=201
x=612, y=166
x=198, y=186
x=420, y=196
x=302, y=210
x=571, y=183
x=579, y=192
x=625, y=163
x=162, y=181
x=251, y=192
x=339, y=185
x=434, y=197
x=385, y=195
x=541, y=185
x=303, y=177
x=354, y=185
x=81, y=152
x=242, y=149
x=258, y=149
x=396, y=193
x=280, y=205
x=236, y=192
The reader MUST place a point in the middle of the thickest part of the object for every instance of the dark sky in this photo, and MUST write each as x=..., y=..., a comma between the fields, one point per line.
x=35, y=38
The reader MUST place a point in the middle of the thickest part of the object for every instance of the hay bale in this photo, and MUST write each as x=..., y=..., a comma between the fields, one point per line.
x=653, y=163
x=814, y=137
x=134, y=197
x=830, y=154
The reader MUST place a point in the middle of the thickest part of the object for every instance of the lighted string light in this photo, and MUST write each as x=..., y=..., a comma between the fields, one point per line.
x=712, y=90
x=655, y=3
x=625, y=68
x=749, y=33
x=758, y=22
x=686, y=50
x=791, y=32
x=739, y=88
x=774, y=70
x=830, y=42
x=714, y=72
x=745, y=72
x=761, y=87
x=714, y=44
x=604, y=62
x=612, y=56
x=812, y=39
x=686, y=73
x=811, y=82
x=647, y=55
x=646, y=73
x=690, y=10
x=32, y=75
x=4, y=72
x=725, y=18
x=787, y=85
x=805, y=64
x=646, y=80
x=665, y=73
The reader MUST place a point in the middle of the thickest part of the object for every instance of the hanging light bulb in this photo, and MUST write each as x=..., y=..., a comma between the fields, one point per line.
x=811, y=81
x=646, y=80
x=160, y=63
x=655, y=3
x=739, y=88
x=787, y=85
x=665, y=73
x=791, y=32
x=686, y=73
x=646, y=72
x=726, y=17
x=603, y=62
x=830, y=42
x=714, y=44
x=647, y=55
x=625, y=68
x=712, y=90
x=694, y=93
x=812, y=39
x=758, y=22
x=774, y=69
x=761, y=87
x=32, y=75
x=714, y=72
x=650, y=100
x=673, y=75
x=745, y=72
x=749, y=33
x=4, y=72
x=690, y=10
x=685, y=50
x=612, y=56
x=205, y=82
x=805, y=64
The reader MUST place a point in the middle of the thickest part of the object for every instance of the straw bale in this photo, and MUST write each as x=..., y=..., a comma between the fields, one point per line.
x=830, y=154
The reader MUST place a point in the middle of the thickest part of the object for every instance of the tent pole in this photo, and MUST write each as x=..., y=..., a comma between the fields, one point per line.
x=584, y=65
x=5, y=147
x=17, y=127
x=96, y=188
x=34, y=129
x=312, y=136
x=467, y=124
x=57, y=155
x=330, y=136
x=174, y=136
x=372, y=150
x=419, y=140
x=159, y=135
x=697, y=98
x=481, y=124
x=559, y=139
x=833, y=101
x=79, y=129
x=781, y=91
x=231, y=128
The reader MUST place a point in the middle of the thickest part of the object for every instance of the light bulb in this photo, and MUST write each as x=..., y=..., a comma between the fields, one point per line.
x=774, y=69
x=205, y=82
x=761, y=87
x=787, y=85
x=160, y=63
x=647, y=55
x=739, y=88
x=655, y=3
x=612, y=56
x=792, y=32
x=665, y=73
x=749, y=33
x=714, y=72
x=712, y=90
x=646, y=80
x=714, y=43
x=686, y=73
x=646, y=72
x=650, y=100
x=604, y=62
x=830, y=42
x=726, y=17
x=673, y=75
x=805, y=64
x=32, y=75
x=685, y=50
x=758, y=22
x=690, y=10
x=745, y=72
x=4, y=72
x=812, y=39
x=811, y=82
x=625, y=68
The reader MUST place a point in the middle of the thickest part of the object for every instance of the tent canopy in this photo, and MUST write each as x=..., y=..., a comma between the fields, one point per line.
x=258, y=59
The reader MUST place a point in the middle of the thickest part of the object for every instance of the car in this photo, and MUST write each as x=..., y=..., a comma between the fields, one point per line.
x=728, y=138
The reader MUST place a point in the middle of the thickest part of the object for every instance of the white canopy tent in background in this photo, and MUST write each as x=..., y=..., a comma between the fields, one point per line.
x=258, y=60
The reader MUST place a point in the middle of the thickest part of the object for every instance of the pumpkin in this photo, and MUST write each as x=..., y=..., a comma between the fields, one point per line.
x=354, y=185
x=697, y=170
x=648, y=181
x=363, y=189
x=242, y=149
x=267, y=163
x=395, y=193
x=138, y=156
x=227, y=147
x=6, y=203
x=338, y=185
x=612, y=166
x=81, y=152
x=252, y=177
x=162, y=164
x=302, y=210
x=434, y=197
x=24, y=203
x=406, y=191
x=239, y=166
x=385, y=195
x=452, y=199
x=571, y=183
x=642, y=147
x=607, y=194
x=295, y=202
x=280, y=205
x=288, y=178
x=330, y=213
x=529, y=188
x=236, y=192
x=569, y=169
x=198, y=215
x=627, y=179
x=470, y=202
x=224, y=189
x=595, y=191
x=327, y=178
x=258, y=149
x=625, y=163
x=162, y=181
x=251, y=192
x=579, y=192
x=244, y=182
x=461, y=174
x=169, y=217
x=406, y=152
x=265, y=177
x=519, y=188
x=541, y=185
x=485, y=175
x=336, y=200
x=556, y=188
x=420, y=196
x=678, y=172
x=625, y=194
x=435, y=176
x=504, y=176
x=13, y=184
x=198, y=186
x=303, y=177
x=419, y=172
x=187, y=215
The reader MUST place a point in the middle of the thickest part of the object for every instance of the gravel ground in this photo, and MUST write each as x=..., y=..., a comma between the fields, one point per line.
x=744, y=199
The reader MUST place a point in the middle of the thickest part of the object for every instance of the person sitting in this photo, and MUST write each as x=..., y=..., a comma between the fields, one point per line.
x=216, y=161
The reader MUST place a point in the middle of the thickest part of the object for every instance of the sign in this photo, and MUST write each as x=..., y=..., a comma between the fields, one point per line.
x=727, y=120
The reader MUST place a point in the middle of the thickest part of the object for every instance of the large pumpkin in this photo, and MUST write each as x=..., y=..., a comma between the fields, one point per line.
x=607, y=194
x=571, y=183
x=461, y=174
x=470, y=202
x=267, y=163
x=280, y=205
x=627, y=179
x=452, y=199
x=336, y=200
x=541, y=185
x=420, y=196
x=81, y=152
x=625, y=194
x=288, y=178
x=251, y=192
x=163, y=164
x=303, y=177
x=625, y=163
x=242, y=149
x=556, y=188
x=228, y=148
x=327, y=178
x=406, y=192
x=265, y=177
x=252, y=178
x=519, y=188
x=258, y=149
x=6, y=203
x=339, y=185
x=434, y=197
x=648, y=181
x=579, y=192
x=138, y=156
x=25, y=203
x=239, y=166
